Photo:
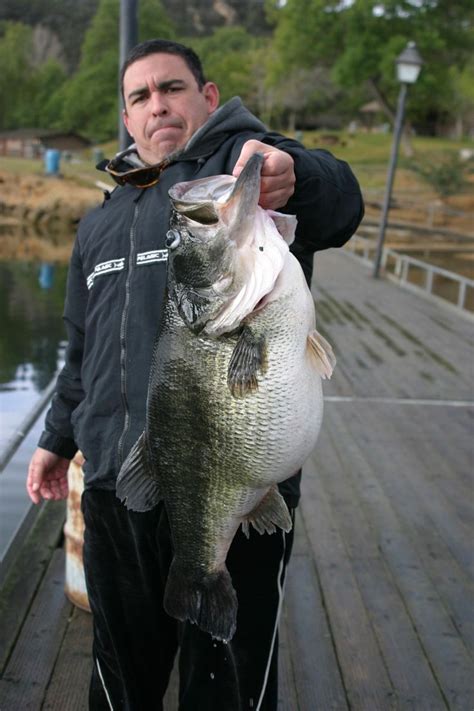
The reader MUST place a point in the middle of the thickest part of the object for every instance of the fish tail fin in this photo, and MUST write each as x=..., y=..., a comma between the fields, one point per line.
x=272, y=511
x=211, y=603
x=322, y=354
x=136, y=488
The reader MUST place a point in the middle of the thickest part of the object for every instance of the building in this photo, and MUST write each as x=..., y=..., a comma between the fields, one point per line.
x=32, y=142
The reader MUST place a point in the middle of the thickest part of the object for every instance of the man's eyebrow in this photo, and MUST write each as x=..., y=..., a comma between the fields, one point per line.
x=167, y=84
x=161, y=86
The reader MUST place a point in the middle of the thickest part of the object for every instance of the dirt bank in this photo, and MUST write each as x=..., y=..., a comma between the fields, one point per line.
x=44, y=203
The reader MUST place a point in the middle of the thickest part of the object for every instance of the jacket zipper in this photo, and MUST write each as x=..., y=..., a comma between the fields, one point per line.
x=123, y=347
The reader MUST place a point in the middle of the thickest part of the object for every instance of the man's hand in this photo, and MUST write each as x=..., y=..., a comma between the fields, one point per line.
x=278, y=175
x=47, y=476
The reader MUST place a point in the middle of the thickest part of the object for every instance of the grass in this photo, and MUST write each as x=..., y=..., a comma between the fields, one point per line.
x=82, y=170
x=367, y=153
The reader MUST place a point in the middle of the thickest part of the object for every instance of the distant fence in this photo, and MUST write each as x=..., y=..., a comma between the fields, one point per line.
x=417, y=275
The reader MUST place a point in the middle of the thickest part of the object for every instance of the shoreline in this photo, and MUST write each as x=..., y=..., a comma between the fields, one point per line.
x=43, y=202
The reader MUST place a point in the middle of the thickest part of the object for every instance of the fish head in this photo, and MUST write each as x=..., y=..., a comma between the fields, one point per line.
x=211, y=219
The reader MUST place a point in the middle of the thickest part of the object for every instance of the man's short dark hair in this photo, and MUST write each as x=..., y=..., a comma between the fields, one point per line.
x=163, y=46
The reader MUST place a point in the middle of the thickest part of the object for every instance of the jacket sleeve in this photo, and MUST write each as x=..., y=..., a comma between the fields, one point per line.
x=58, y=436
x=327, y=199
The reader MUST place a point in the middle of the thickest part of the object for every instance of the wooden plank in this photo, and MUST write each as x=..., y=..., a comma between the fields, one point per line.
x=287, y=698
x=420, y=470
x=448, y=656
x=397, y=328
x=31, y=664
x=26, y=573
x=447, y=437
x=69, y=686
x=318, y=680
x=452, y=583
x=404, y=657
x=366, y=682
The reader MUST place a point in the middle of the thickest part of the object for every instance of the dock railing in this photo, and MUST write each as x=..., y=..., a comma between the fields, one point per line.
x=402, y=268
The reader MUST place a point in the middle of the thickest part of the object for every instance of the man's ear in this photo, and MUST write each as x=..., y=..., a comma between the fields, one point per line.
x=211, y=94
x=126, y=121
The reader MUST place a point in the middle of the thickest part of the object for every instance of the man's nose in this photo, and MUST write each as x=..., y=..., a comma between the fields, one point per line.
x=159, y=105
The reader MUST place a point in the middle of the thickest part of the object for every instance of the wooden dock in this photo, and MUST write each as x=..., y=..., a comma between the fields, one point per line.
x=379, y=609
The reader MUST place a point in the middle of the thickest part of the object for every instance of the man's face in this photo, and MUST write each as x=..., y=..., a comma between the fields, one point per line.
x=164, y=105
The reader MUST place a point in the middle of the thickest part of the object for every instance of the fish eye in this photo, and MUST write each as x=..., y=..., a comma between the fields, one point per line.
x=173, y=238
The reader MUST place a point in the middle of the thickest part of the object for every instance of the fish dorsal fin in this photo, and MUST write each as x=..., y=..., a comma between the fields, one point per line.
x=322, y=354
x=238, y=211
x=136, y=488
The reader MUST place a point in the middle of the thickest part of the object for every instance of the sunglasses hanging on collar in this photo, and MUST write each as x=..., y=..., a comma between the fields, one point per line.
x=141, y=176
x=138, y=177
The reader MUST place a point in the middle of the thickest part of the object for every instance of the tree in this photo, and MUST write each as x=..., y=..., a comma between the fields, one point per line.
x=359, y=42
x=44, y=106
x=67, y=19
x=90, y=98
x=15, y=76
x=229, y=59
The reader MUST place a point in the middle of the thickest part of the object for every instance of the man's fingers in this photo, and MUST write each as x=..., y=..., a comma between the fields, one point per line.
x=278, y=174
x=248, y=149
x=33, y=482
x=274, y=200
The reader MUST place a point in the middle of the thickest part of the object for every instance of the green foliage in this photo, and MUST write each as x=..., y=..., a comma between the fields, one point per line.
x=230, y=58
x=325, y=56
x=90, y=99
x=360, y=41
x=68, y=19
x=15, y=75
x=447, y=174
x=48, y=80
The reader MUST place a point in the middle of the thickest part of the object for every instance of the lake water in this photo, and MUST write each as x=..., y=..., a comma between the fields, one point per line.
x=32, y=337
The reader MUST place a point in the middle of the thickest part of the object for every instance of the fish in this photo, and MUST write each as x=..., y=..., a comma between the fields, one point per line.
x=235, y=399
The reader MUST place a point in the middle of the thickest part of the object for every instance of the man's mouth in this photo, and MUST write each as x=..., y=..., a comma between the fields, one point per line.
x=163, y=125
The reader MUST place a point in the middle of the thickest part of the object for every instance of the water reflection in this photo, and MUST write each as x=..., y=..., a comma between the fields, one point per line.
x=46, y=276
x=32, y=337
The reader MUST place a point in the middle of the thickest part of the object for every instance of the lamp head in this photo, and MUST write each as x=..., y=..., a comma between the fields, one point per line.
x=409, y=64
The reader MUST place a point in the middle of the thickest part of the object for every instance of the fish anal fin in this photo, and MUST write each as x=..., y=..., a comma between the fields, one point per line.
x=322, y=354
x=272, y=511
x=248, y=357
x=210, y=603
x=136, y=487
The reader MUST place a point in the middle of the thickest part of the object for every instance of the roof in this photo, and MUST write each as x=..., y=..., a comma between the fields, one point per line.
x=49, y=137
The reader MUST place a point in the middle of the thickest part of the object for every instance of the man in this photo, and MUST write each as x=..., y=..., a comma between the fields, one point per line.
x=115, y=289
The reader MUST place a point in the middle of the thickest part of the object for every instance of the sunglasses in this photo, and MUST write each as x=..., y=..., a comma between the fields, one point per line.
x=138, y=177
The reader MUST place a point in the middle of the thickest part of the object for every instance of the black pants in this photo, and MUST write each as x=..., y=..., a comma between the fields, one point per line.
x=126, y=560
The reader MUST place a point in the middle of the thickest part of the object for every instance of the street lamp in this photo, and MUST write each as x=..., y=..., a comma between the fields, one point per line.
x=408, y=68
x=128, y=33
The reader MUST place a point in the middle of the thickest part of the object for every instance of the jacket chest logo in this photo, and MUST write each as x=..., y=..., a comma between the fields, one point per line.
x=117, y=265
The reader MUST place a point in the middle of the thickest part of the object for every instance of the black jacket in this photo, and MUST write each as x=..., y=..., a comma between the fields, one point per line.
x=117, y=279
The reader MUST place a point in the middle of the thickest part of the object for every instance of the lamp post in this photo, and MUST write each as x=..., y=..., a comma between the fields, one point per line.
x=128, y=39
x=408, y=68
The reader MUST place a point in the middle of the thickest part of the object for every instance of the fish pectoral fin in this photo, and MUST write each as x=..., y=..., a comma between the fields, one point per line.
x=249, y=356
x=322, y=354
x=272, y=511
x=136, y=487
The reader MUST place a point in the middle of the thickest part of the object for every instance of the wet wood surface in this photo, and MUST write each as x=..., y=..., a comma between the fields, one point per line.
x=378, y=609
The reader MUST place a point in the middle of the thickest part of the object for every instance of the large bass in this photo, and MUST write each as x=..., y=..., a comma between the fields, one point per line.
x=235, y=401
